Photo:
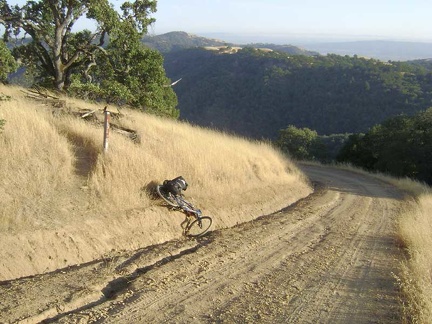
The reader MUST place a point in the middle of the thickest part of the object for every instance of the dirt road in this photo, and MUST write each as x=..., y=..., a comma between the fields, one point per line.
x=331, y=258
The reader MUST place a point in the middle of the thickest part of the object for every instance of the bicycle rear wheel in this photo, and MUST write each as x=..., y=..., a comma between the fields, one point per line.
x=199, y=226
x=169, y=198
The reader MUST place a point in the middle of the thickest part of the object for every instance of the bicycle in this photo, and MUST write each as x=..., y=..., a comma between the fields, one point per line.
x=195, y=224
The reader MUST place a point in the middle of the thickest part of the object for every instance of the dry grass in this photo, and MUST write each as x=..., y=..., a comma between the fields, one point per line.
x=415, y=228
x=215, y=164
x=53, y=169
x=31, y=149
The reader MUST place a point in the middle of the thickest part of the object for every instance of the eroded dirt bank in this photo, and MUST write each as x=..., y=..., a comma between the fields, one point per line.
x=331, y=258
x=90, y=235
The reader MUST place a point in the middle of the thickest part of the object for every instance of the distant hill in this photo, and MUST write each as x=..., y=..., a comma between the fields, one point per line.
x=290, y=49
x=256, y=93
x=382, y=50
x=178, y=40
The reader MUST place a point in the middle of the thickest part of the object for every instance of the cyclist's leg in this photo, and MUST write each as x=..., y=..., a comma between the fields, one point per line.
x=186, y=205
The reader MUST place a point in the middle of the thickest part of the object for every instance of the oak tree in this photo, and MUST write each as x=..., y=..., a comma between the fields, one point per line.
x=55, y=50
x=7, y=62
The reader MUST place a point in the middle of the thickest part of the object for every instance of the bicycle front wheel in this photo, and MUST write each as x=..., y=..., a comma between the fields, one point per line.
x=169, y=199
x=199, y=226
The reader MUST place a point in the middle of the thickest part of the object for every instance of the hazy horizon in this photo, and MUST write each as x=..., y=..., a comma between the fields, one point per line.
x=296, y=39
x=381, y=49
x=302, y=22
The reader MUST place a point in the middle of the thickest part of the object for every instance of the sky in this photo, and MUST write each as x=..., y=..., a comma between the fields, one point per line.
x=298, y=19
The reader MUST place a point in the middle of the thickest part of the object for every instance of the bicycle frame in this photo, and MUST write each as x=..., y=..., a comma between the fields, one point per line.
x=187, y=207
x=195, y=223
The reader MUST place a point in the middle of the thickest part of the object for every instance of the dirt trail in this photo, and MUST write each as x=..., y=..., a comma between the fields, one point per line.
x=331, y=258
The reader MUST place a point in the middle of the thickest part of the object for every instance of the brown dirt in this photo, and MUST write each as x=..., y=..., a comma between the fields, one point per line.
x=330, y=258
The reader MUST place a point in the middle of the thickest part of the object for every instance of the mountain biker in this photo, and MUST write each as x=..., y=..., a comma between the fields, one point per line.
x=175, y=187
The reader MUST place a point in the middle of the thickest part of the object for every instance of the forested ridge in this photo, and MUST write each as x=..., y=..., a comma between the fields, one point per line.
x=175, y=41
x=178, y=40
x=366, y=112
x=256, y=93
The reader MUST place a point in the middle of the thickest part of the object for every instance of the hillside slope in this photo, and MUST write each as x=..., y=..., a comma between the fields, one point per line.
x=178, y=40
x=256, y=93
x=65, y=202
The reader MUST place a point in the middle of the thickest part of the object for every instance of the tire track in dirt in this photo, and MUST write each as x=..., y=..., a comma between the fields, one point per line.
x=359, y=285
x=330, y=258
x=224, y=270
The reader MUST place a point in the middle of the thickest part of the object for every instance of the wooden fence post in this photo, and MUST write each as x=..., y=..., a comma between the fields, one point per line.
x=106, y=129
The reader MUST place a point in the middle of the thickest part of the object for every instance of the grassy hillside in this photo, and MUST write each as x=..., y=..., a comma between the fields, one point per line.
x=64, y=201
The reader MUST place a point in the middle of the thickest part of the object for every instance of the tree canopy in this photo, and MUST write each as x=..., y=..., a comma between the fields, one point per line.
x=110, y=62
x=400, y=146
x=256, y=93
x=54, y=49
x=7, y=62
x=300, y=143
